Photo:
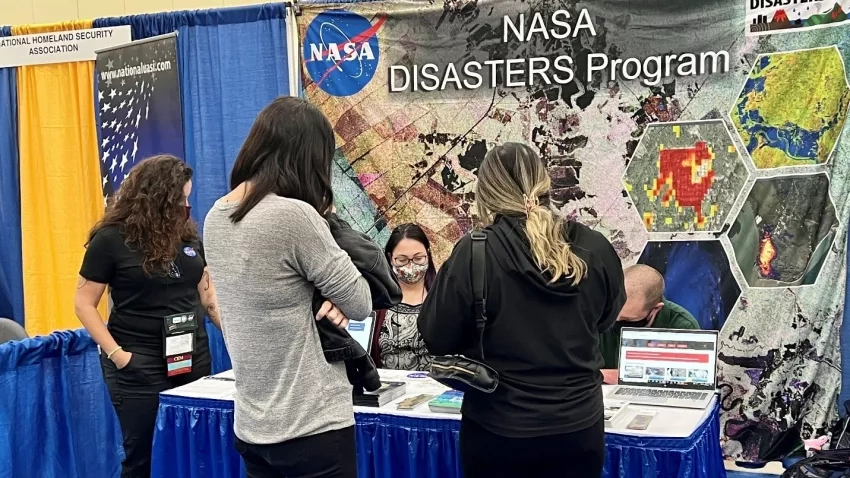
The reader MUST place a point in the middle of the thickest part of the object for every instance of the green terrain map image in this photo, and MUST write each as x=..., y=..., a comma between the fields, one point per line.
x=792, y=108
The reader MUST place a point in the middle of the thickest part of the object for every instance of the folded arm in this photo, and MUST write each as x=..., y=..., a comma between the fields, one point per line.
x=370, y=260
x=321, y=261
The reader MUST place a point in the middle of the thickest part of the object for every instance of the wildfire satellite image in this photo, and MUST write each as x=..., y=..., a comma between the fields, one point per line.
x=784, y=231
x=685, y=176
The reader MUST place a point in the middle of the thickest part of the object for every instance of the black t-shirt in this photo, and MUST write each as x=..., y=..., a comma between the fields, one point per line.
x=140, y=302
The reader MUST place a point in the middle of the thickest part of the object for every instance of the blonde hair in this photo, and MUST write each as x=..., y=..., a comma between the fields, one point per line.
x=511, y=181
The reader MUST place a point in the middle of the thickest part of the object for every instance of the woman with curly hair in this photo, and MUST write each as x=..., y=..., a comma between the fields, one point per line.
x=146, y=249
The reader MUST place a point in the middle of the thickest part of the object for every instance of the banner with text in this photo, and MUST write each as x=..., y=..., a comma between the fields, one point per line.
x=60, y=47
x=138, y=95
x=783, y=16
x=696, y=151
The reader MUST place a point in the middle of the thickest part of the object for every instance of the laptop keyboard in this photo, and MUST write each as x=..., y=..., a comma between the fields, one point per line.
x=660, y=393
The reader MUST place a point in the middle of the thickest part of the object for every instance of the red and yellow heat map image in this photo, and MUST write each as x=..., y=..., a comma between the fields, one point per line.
x=685, y=177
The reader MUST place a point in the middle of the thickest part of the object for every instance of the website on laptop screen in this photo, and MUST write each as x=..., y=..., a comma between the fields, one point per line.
x=662, y=358
x=362, y=331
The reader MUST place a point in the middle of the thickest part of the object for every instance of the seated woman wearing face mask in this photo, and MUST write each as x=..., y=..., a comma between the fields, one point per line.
x=397, y=344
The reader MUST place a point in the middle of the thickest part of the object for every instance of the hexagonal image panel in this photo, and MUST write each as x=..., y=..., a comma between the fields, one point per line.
x=685, y=177
x=793, y=107
x=785, y=230
x=697, y=276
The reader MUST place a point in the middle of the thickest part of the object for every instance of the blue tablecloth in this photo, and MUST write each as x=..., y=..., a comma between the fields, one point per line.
x=194, y=439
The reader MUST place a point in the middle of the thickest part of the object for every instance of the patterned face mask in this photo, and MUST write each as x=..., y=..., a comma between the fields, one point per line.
x=411, y=273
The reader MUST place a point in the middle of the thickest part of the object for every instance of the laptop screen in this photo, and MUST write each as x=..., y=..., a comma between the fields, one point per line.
x=683, y=359
x=362, y=330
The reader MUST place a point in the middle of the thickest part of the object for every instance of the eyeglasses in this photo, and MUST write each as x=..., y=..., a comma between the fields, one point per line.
x=401, y=261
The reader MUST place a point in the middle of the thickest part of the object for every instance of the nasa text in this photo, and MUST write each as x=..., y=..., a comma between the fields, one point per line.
x=551, y=69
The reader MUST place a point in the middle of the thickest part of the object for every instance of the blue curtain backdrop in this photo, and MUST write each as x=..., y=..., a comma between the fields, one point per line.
x=11, y=270
x=56, y=419
x=232, y=63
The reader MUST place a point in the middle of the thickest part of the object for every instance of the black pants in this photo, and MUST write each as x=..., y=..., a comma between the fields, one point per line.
x=326, y=455
x=579, y=454
x=135, y=395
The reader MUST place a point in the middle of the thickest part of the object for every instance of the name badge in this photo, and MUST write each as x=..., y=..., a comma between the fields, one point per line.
x=179, y=342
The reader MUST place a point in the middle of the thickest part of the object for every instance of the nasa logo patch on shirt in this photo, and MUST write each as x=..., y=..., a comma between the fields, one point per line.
x=189, y=251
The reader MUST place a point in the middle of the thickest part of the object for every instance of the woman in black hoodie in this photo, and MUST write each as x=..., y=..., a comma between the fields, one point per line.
x=552, y=288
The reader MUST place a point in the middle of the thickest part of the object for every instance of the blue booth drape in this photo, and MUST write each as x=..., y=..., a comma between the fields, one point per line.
x=233, y=62
x=56, y=418
x=11, y=269
x=206, y=431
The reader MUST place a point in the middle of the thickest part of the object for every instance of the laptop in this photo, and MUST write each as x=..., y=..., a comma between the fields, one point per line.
x=362, y=331
x=666, y=367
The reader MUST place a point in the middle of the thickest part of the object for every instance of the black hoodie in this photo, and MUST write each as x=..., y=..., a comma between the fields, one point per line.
x=542, y=338
x=337, y=343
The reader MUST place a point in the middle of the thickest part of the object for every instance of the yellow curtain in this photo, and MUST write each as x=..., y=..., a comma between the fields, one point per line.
x=61, y=194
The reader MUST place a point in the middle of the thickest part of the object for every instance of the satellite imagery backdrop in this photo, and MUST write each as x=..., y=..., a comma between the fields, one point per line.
x=685, y=176
x=698, y=278
x=792, y=108
x=413, y=157
x=784, y=231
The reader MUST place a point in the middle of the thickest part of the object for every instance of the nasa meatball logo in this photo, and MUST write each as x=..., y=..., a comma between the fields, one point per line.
x=341, y=51
x=189, y=251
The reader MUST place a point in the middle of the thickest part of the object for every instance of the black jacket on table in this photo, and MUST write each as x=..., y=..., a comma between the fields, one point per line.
x=337, y=343
x=542, y=338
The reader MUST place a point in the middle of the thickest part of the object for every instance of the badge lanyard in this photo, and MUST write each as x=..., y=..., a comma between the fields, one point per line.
x=179, y=342
x=179, y=337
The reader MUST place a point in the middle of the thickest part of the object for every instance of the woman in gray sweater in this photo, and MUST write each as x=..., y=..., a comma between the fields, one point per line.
x=269, y=249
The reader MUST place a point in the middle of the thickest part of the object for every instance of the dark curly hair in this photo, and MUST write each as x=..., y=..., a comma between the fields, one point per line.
x=149, y=210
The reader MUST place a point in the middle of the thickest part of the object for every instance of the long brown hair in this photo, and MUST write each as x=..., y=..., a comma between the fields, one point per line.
x=149, y=210
x=288, y=152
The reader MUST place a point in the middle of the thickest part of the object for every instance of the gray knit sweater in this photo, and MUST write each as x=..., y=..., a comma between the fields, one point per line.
x=265, y=269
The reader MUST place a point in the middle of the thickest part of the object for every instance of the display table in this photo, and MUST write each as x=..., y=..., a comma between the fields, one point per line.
x=194, y=437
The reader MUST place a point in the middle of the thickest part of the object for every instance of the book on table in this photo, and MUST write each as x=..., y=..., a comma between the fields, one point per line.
x=388, y=392
x=448, y=402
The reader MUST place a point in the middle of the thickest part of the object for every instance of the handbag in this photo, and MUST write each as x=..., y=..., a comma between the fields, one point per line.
x=463, y=373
